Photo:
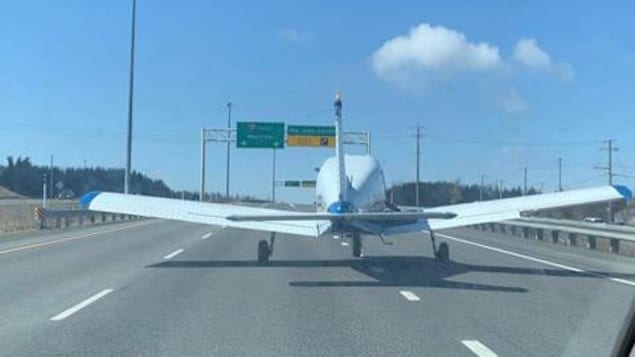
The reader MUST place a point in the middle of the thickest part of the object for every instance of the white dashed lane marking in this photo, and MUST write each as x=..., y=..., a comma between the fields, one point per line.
x=174, y=254
x=409, y=295
x=68, y=312
x=478, y=348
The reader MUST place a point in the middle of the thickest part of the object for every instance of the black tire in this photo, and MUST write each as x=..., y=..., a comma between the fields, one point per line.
x=263, y=251
x=357, y=246
x=443, y=252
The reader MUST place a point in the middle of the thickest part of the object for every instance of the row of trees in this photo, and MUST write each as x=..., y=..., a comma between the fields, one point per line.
x=433, y=194
x=22, y=177
x=441, y=193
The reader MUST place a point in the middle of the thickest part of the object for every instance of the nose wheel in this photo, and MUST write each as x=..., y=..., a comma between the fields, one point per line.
x=265, y=249
x=357, y=245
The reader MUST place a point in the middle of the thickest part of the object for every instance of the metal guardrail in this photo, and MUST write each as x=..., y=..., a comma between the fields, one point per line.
x=66, y=218
x=596, y=236
x=585, y=228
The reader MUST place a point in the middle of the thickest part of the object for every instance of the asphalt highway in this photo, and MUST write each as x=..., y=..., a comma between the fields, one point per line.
x=160, y=288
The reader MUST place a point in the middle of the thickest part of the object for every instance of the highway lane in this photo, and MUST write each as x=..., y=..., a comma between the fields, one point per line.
x=313, y=299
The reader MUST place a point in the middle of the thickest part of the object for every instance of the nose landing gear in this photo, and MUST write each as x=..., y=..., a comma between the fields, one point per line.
x=357, y=245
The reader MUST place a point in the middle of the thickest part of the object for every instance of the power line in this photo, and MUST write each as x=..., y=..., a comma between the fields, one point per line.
x=511, y=143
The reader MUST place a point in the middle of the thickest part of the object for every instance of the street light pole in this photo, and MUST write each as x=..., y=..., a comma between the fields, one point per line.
x=229, y=125
x=418, y=160
x=201, y=196
x=130, y=94
x=560, y=174
x=273, y=178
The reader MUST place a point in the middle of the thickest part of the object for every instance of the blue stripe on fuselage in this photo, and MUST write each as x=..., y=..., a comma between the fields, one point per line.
x=86, y=199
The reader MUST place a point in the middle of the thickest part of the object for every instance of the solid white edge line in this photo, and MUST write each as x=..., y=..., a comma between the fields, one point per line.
x=537, y=260
x=478, y=348
x=207, y=235
x=409, y=295
x=174, y=253
x=68, y=312
x=70, y=238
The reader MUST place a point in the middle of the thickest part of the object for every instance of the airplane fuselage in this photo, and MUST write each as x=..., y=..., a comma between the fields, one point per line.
x=364, y=190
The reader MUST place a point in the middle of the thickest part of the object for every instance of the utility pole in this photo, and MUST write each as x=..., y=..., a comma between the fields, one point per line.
x=229, y=126
x=609, y=168
x=480, y=191
x=44, y=191
x=273, y=178
x=202, y=190
x=560, y=174
x=525, y=182
x=126, y=185
x=418, y=157
x=51, y=178
x=500, y=191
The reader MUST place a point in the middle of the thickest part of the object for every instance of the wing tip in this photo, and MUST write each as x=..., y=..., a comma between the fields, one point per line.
x=626, y=193
x=87, y=198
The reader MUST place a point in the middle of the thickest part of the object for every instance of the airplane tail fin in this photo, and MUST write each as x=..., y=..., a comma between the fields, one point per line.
x=339, y=150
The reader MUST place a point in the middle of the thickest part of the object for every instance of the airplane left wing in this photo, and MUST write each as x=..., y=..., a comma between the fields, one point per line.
x=203, y=212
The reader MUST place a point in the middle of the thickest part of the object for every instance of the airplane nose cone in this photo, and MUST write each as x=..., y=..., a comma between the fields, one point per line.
x=340, y=207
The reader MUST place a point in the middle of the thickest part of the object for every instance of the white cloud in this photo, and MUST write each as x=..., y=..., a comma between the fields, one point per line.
x=512, y=103
x=529, y=54
x=433, y=49
x=292, y=35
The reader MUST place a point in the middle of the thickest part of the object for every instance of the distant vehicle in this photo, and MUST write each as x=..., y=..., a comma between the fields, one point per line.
x=66, y=194
x=593, y=220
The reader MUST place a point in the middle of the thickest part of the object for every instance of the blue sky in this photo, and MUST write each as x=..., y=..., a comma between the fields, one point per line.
x=496, y=85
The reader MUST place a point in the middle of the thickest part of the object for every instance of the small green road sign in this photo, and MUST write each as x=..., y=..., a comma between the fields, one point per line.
x=260, y=135
x=292, y=183
x=308, y=183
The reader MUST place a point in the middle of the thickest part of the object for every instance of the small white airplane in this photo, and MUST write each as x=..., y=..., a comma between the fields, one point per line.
x=351, y=201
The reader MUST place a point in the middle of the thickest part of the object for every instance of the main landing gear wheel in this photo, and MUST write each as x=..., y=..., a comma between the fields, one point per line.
x=265, y=249
x=443, y=252
x=357, y=245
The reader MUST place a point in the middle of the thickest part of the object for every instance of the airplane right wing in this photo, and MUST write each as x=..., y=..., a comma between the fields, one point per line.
x=510, y=208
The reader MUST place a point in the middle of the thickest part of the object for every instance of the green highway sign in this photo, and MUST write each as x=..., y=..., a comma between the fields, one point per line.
x=305, y=130
x=296, y=183
x=260, y=135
